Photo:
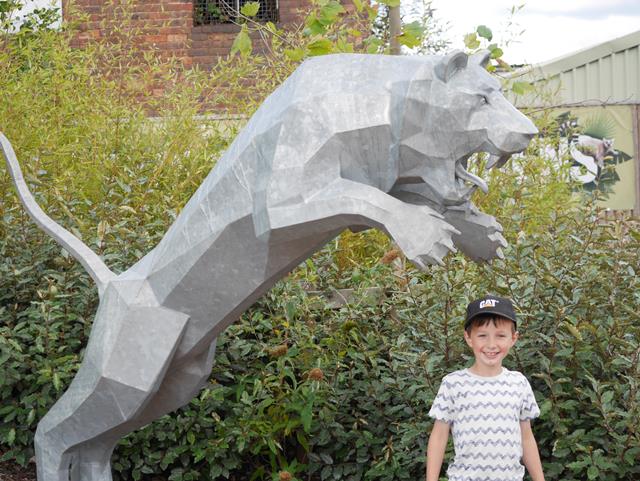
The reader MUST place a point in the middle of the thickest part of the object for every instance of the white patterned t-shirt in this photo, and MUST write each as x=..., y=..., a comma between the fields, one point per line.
x=484, y=414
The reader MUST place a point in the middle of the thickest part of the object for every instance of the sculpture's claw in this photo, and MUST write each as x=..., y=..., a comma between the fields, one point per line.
x=438, y=261
x=419, y=264
x=499, y=239
x=448, y=243
x=499, y=253
x=452, y=230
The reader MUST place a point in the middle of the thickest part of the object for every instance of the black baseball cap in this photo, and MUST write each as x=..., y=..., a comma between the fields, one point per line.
x=499, y=306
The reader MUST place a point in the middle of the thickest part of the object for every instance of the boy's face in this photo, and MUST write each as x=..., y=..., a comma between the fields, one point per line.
x=491, y=343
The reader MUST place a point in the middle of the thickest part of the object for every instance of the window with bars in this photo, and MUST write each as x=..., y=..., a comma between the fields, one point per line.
x=207, y=12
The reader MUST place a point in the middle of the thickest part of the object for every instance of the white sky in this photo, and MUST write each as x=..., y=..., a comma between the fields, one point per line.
x=552, y=28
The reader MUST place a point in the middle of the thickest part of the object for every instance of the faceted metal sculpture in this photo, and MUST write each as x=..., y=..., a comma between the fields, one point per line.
x=348, y=141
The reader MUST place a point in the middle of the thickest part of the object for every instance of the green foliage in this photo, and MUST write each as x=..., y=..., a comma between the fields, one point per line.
x=320, y=393
x=242, y=42
x=411, y=35
x=484, y=32
x=250, y=9
x=330, y=28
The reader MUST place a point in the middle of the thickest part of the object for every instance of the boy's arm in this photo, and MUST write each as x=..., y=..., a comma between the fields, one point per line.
x=530, y=455
x=435, y=449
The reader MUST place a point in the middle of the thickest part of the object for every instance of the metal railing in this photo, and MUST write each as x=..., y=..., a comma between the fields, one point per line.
x=207, y=12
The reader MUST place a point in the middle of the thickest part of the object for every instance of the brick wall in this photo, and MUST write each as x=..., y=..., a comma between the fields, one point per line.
x=168, y=26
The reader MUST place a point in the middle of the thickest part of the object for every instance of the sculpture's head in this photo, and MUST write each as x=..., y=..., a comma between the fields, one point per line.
x=452, y=109
x=449, y=110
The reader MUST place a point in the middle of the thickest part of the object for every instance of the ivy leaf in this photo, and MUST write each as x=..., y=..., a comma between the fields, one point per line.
x=521, y=88
x=57, y=384
x=631, y=455
x=313, y=26
x=343, y=46
x=471, y=41
x=250, y=9
x=31, y=416
x=373, y=44
x=321, y=46
x=11, y=436
x=330, y=12
x=242, y=43
x=305, y=416
x=496, y=52
x=485, y=32
x=411, y=35
x=294, y=54
x=392, y=3
x=358, y=5
x=607, y=397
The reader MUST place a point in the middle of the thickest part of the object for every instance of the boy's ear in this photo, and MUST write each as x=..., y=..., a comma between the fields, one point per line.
x=515, y=336
x=467, y=338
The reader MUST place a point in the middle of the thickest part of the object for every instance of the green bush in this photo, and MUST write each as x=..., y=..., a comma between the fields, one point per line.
x=321, y=393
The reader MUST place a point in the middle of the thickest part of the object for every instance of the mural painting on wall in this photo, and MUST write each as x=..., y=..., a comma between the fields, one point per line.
x=599, y=144
x=591, y=147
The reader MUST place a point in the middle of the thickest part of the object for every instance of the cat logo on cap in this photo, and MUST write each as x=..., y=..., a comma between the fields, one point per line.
x=488, y=303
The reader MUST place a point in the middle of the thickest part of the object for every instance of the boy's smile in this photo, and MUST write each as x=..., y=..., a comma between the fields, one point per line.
x=490, y=344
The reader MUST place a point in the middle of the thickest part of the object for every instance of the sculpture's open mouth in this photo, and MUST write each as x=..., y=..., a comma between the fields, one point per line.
x=464, y=177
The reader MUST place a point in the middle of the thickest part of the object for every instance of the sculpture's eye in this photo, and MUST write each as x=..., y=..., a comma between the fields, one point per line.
x=484, y=99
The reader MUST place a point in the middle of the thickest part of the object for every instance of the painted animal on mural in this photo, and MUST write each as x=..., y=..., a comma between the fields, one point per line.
x=589, y=153
x=348, y=141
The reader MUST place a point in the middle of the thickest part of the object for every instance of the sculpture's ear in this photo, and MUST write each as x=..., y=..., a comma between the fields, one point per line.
x=481, y=58
x=450, y=64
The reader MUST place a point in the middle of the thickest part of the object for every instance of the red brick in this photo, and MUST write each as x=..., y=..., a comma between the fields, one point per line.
x=166, y=27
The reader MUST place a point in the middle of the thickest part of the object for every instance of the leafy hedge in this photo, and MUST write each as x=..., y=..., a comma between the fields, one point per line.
x=343, y=394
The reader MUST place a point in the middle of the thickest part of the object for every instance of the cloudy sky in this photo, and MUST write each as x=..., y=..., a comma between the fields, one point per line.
x=552, y=28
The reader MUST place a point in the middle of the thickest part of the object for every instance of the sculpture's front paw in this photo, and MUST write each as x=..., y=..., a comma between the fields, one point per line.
x=430, y=244
x=480, y=235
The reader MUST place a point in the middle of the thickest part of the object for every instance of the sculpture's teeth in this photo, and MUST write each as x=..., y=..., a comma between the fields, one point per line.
x=497, y=161
x=469, y=177
x=493, y=160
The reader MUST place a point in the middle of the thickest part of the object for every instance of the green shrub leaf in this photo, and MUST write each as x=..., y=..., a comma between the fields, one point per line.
x=250, y=9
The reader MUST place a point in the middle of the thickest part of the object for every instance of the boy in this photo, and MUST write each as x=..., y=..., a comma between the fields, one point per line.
x=488, y=407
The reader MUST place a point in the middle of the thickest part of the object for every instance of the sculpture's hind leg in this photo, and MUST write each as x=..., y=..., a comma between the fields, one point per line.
x=67, y=435
x=121, y=372
x=178, y=387
x=53, y=462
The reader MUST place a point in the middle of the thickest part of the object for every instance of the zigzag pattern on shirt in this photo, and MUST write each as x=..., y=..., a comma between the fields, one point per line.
x=487, y=417
x=479, y=382
x=491, y=467
x=487, y=455
x=476, y=478
x=437, y=406
x=486, y=442
x=497, y=430
x=486, y=392
x=489, y=404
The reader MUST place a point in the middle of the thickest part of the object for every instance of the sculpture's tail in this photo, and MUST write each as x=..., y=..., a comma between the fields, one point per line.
x=96, y=268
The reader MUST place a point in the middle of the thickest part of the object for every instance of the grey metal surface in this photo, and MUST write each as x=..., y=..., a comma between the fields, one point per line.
x=608, y=73
x=348, y=141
